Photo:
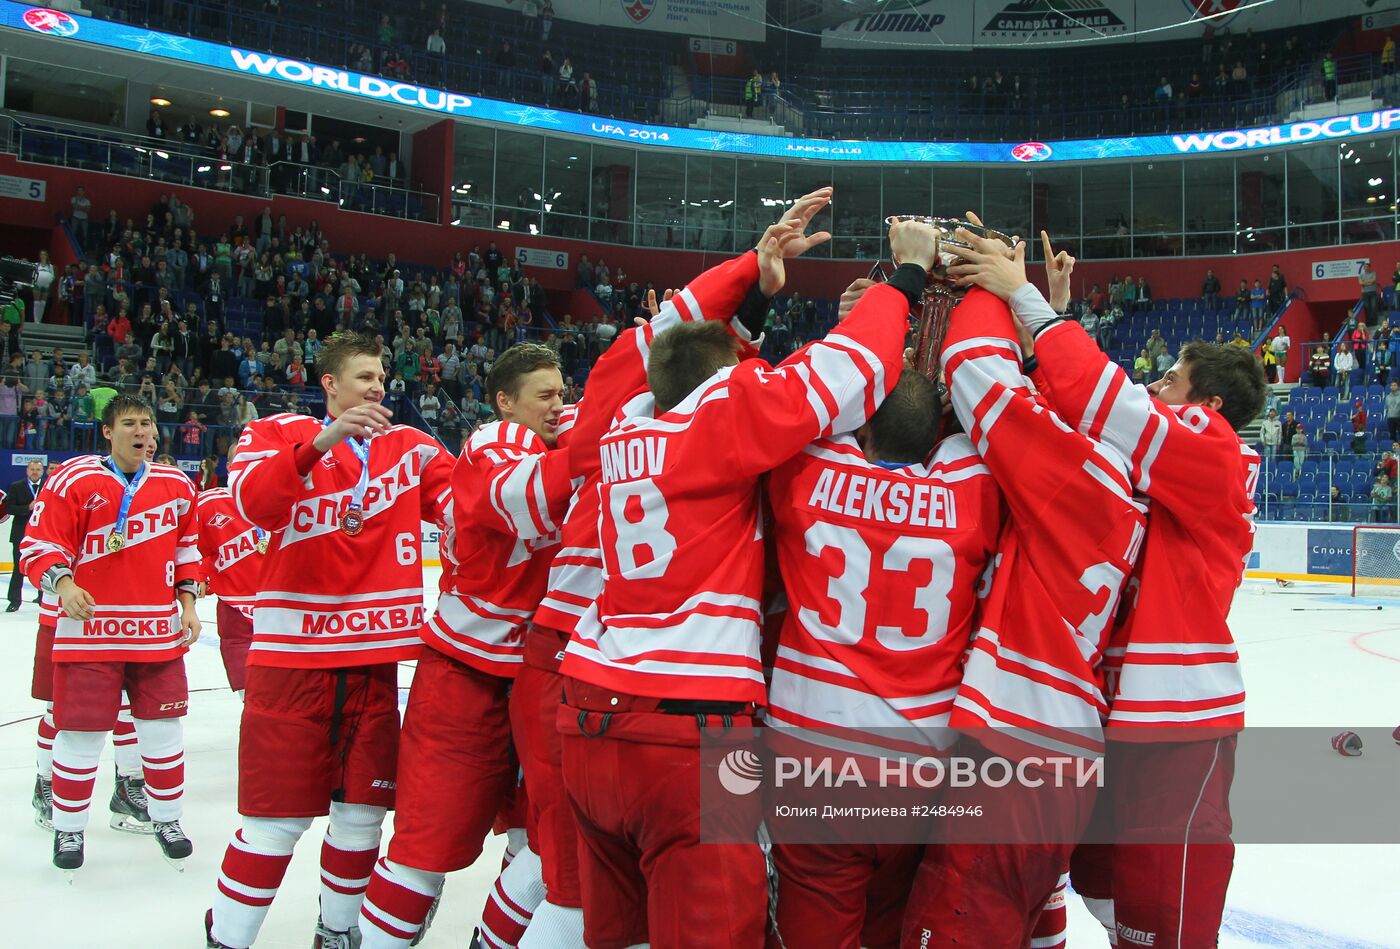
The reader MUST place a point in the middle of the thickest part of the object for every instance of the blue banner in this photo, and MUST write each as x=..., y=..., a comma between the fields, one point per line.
x=67, y=27
x=1329, y=551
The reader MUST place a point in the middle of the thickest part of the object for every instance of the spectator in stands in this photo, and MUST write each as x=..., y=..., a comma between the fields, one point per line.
x=1386, y=465
x=1329, y=76
x=1344, y=365
x=1382, y=501
x=1142, y=297
x=1165, y=361
x=1239, y=78
x=1359, y=336
x=1280, y=345
x=1392, y=411
x=1320, y=367
x=1242, y=301
x=1299, y=441
x=1388, y=56
x=1156, y=346
x=1097, y=300
x=1270, y=363
x=1358, y=427
x=567, y=85
x=1127, y=295
x=1338, y=507
x=1210, y=291
x=1381, y=352
x=771, y=88
x=753, y=92
x=1258, y=300
x=155, y=124
x=1271, y=434
x=1142, y=367
x=1370, y=292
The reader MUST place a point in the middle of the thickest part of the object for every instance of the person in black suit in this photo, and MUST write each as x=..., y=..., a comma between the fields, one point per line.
x=17, y=504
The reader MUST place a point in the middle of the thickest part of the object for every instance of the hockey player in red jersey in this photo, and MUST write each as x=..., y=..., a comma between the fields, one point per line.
x=341, y=603
x=881, y=541
x=575, y=576
x=1175, y=692
x=114, y=539
x=511, y=488
x=232, y=552
x=1030, y=688
x=670, y=650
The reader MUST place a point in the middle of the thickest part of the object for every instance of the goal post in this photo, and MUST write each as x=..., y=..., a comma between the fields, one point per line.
x=1375, y=560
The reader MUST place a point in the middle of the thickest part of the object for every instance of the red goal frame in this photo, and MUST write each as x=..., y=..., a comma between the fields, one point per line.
x=1355, y=535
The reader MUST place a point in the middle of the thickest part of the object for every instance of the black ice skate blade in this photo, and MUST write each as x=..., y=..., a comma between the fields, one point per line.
x=44, y=824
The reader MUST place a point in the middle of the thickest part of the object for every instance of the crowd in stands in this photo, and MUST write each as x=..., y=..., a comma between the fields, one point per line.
x=523, y=55
x=159, y=300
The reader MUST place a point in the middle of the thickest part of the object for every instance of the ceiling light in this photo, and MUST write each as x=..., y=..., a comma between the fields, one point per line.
x=160, y=102
x=358, y=139
x=1373, y=182
x=219, y=113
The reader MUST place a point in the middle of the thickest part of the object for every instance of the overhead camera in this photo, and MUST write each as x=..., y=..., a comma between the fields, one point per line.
x=14, y=274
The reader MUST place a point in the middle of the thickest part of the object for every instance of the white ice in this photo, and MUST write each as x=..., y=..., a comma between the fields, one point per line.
x=1333, y=667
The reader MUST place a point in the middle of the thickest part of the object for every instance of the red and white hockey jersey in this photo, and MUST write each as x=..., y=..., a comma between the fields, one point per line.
x=1173, y=657
x=230, y=561
x=576, y=574
x=1032, y=681
x=881, y=568
x=328, y=599
x=135, y=618
x=510, y=492
x=679, y=615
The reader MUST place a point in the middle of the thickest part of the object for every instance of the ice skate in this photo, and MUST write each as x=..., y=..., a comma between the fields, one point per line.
x=129, y=807
x=68, y=851
x=209, y=941
x=334, y=939
x=43, y=802
x=174, y=845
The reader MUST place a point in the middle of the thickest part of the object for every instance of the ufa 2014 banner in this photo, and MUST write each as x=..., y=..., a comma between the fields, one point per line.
x=961, y=23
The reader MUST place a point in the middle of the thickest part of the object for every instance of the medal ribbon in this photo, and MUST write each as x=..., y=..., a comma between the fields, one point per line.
x=361, y=450
x=132, y=485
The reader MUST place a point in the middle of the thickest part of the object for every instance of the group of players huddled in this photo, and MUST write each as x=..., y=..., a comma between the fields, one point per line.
x=1024, y=557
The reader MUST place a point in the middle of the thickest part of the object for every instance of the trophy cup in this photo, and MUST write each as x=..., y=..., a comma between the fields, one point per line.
x=940, y=295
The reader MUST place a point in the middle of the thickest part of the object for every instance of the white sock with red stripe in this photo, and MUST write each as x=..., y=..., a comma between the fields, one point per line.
x=253, y=867
x=75, y=758
x=396, y=904
x=162, y=746
x=347, y=859
x=124, y=743
x=554, y=927
x=517, y=839
x=1051, y=930
x=518, y=892
x=43, y=749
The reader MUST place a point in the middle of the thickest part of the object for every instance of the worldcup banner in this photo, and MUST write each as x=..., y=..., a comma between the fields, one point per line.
x=64, y=27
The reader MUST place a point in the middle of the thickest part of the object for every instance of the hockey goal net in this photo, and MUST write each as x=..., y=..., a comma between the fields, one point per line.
x=1375, y=560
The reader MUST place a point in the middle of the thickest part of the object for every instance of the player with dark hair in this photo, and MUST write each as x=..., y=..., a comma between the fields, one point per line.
x=882, y=539
x=670, y=651
x=114, y=540
x=341, y=603
x=1172, y=670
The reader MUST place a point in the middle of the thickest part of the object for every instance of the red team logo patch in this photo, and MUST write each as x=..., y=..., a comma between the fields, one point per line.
x=1223, y=10
x=219, y=520
x=53, y=22
x=1031, y=151
x=638, y=10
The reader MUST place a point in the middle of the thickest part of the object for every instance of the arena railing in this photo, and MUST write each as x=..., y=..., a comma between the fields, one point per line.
x=137, y=156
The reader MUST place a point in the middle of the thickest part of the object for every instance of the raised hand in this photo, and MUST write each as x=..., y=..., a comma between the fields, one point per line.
x=987, y=265
x=359, y=422
x=914, y=242
x=852, y=296
x=1058, y=268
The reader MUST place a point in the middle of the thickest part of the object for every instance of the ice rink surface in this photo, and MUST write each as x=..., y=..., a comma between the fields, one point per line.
x=1333, y=665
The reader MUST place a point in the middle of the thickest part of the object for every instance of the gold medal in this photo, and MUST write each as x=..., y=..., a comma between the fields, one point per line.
x=262, y=544
x=115, y=541
x=352, y=522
